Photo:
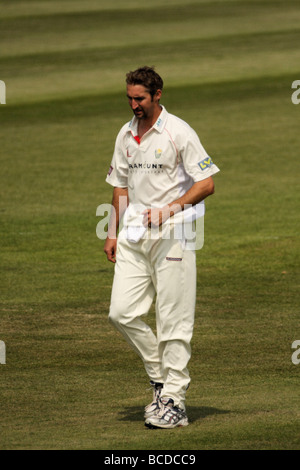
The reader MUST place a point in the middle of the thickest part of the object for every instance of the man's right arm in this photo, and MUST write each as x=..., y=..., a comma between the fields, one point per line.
x=119, y=203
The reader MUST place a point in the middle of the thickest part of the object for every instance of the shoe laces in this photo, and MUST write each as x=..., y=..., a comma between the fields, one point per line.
x=157, y=388
x=169, y=412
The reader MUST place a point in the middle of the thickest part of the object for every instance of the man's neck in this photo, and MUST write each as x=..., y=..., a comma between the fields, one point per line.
x=144, y=125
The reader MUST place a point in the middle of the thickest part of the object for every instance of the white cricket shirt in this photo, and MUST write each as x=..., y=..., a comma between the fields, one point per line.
x=163, y=165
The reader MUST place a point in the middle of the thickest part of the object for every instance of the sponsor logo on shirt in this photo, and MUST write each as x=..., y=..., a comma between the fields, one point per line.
x=206, y=163
x=145, y=166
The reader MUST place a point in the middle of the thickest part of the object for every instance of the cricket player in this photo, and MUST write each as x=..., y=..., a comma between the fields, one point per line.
x=159, y=172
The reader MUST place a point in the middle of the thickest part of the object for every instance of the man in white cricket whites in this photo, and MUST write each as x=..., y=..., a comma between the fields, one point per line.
x=158, y=168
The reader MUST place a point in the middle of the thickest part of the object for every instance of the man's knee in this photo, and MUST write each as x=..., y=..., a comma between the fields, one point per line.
x=117, y=314
x=114, y=316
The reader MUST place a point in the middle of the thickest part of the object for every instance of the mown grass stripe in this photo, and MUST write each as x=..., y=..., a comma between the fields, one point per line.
x=170, y=12
x=108, y=18
x=57, y=110
x=204, y=48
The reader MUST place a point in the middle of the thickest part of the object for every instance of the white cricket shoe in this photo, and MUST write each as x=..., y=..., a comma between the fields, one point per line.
x=168, y=417
x=154, y=406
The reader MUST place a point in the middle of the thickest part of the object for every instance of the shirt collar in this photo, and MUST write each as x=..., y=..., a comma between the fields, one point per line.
x=158, y=125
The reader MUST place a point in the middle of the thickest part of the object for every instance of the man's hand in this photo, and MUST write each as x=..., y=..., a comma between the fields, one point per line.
x=110, y=248
x=199, y=191
x=119, y=203
x=155, y=217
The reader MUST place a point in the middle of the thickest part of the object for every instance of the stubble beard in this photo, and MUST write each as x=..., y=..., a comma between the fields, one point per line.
x=140, y=115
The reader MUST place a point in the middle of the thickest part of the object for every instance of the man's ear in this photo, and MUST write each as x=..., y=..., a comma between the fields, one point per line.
x=157, y=95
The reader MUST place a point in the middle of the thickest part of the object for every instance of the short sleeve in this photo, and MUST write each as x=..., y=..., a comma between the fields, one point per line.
x=117, y=175
x=197, y=163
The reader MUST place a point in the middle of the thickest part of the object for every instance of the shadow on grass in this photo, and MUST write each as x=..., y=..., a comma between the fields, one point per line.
x=135, y=413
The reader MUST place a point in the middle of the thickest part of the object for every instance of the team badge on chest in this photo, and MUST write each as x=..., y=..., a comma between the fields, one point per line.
x=158, y=153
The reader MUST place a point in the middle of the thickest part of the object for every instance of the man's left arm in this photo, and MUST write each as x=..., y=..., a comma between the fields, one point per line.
x=197, y=193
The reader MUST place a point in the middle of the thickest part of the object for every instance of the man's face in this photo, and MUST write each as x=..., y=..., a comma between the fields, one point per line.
x=141, y=102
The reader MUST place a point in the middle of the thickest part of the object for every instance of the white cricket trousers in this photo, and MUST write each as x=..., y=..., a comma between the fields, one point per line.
x=162, y=268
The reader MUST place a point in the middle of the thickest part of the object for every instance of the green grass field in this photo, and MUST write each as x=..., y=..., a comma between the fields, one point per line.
x=70, y=380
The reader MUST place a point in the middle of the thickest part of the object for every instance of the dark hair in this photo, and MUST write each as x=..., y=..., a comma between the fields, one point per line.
x=147, y=77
